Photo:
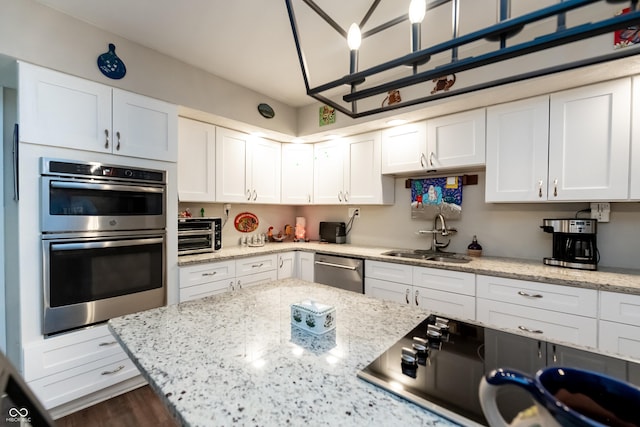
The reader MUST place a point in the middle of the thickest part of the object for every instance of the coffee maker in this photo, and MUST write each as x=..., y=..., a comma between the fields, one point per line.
x=574, y=243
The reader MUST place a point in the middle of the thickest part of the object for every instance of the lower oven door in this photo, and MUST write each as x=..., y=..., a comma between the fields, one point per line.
x=92, y=278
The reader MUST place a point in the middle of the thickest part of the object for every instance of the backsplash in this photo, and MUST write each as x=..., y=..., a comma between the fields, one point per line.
x=505, y=230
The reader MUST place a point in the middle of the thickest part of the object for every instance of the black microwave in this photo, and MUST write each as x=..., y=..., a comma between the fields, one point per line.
x=199, y=235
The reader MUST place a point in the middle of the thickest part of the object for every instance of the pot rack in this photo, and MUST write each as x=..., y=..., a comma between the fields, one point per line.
x=500, y=32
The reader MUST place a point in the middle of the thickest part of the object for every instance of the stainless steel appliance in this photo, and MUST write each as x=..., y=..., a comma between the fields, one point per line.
x=333, y=232
x=574, y=243
x=340, y=272
x=199, y=235
x=80, y=196
x=439, y=364
x=103, y=242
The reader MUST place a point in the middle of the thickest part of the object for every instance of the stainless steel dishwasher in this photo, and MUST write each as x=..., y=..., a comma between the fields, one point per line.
x=340, y=272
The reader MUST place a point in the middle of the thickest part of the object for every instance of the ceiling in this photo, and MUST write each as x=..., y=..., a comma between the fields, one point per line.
x=248, y=42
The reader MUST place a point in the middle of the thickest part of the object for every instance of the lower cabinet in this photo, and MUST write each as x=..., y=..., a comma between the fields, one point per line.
x=445, y=292
x=619, y=327
x=71, y=366
x=305, y=265
x=286, y=265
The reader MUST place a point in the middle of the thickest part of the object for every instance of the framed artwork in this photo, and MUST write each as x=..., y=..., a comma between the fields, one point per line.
x=327, y=115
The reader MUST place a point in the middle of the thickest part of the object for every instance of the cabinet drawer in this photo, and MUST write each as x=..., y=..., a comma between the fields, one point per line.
x=205, y=273
x=445, y=280
x=256, y=279
x=547, y=324
x=399, y=273
x=68, y=351
x=618, y=338
x=63, y=387
x=564, y=299
x=206, y=289
x=256, y=264
x=621, y=308
x=446, y=303
x=389, y=291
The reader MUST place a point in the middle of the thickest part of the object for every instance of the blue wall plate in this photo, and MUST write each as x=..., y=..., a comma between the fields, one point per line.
x=110, y=65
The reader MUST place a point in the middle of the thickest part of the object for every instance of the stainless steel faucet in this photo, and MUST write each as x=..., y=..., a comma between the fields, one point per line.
x=443, y=231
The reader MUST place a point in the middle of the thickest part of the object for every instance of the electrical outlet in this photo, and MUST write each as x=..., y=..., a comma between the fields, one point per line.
x=600, y=211
x=354, y=212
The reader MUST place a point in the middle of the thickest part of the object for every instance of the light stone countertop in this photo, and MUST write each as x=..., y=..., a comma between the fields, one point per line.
x=235, y=359
x=607, y=279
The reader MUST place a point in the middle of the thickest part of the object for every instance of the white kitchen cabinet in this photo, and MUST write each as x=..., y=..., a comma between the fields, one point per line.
x=66, y=111
x=247, y=168
x=589, y=142
x=286, y=265
x=517, y=151
x=69, y=366
x=305, y=264
x=347, y=171
x=196, y=161
x=202, y=280
x=634, y=182
x=404, y=148
x=456, y=141
x=256, y=270
x=619, y=326
x=297, y=174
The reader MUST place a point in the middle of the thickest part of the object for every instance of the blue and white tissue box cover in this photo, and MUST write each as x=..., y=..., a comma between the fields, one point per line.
x=314, y=317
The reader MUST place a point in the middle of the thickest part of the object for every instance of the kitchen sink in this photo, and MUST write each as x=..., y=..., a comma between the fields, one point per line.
x=427, y=255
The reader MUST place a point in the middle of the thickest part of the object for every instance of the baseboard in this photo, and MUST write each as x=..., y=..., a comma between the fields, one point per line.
x=97, y=397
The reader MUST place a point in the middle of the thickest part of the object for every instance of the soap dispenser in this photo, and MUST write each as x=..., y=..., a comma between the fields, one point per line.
x=474, y=248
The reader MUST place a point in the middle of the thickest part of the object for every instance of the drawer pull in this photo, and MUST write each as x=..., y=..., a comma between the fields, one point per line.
x=416, y=298
x=213, y=273
x=406, y=296
x=107, y=343
x=257, y=265
x=533, y=331
x=524, y=294
x=118, y=369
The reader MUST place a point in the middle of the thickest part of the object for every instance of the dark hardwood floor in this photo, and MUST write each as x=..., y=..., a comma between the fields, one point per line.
x=137, y=408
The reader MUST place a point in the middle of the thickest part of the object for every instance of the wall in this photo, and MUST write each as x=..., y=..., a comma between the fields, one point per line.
x=503, y=230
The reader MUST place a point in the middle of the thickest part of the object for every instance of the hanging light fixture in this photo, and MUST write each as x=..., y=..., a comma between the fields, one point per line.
x=377, y=76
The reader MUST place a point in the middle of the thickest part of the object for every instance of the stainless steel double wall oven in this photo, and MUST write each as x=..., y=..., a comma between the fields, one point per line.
x=103, y=240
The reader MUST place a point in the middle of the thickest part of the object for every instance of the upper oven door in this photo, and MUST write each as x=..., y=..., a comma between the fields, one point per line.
x=70, y=204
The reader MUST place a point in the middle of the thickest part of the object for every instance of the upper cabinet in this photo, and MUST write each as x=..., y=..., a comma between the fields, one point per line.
x=247, y=168
x=66, y=111
x=517, y=151
x=297, y=174
x=347, y=171
x=634, y=189
x=589, y=142
x=196, y=161
x=455, y=141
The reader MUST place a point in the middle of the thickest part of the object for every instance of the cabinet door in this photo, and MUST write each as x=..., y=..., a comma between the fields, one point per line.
x=328, y=172
x=389, y=291
x=65, y=111
x=196, y=161
x=559, y=355
x=256, y=279
x=263, y=170
x=445, y=303
x=589, y=142
x=618, y=338
x=231, y=149
x=206, y=289
x=297, y=174
x=404, y=148
x=305, y=265
x=634, y=190
x=366, y=184
x=456, y=140
x=286, y=265
x=518, y=151
x=144, y=127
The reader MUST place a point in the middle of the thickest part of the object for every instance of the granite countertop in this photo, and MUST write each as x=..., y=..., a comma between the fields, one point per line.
x=235, y=359
x=607, y=279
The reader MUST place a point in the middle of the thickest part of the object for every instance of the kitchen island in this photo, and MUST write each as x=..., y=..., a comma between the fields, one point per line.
x=235, y=358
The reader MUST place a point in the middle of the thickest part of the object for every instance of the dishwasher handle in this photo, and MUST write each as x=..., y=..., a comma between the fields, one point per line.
x=331, y=264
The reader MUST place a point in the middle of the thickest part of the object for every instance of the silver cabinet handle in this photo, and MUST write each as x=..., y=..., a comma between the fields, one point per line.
x=281, y=262
x=257, y=265
x=339, y=196
x=415, y=297
x=118, y=369
x=239, y=284
x=540, y=189
x=555, y=187
x=255, y=195
x=524, y=294
x=248, y=194
x=330, y=264
x=231, y=287
x=107, y=343
x=106, y=138
x=212, y=273
x=308, y=198
x=118, y=136
x=346, y=196
x=431, y=159
x=533, y=331
x=422, y=159
x=406, y=296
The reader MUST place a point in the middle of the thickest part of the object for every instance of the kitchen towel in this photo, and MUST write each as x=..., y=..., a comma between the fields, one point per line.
x=431, y=196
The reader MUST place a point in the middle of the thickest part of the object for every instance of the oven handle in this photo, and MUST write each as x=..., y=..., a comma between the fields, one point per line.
x=106, y=187
x=103, y=244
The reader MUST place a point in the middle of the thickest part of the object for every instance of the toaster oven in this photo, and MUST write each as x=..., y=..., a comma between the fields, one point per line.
x=199, y=235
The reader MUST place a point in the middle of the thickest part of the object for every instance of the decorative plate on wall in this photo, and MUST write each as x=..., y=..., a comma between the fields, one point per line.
x=246, y=222
x=110, y=65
